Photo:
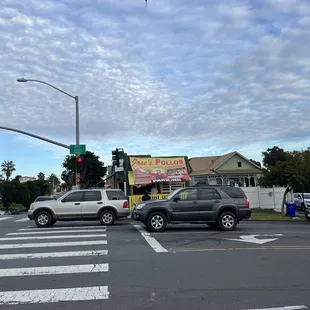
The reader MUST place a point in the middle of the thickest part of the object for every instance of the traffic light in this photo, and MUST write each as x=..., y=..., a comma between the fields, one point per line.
x=79, y=166
x=115, y=158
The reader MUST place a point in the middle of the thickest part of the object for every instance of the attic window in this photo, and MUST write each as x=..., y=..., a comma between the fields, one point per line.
x=239, y=164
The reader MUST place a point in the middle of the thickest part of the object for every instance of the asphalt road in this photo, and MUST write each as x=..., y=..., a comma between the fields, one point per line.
x=194, y=267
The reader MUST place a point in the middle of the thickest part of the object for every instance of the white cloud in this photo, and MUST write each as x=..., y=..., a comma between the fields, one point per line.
x=183, y=73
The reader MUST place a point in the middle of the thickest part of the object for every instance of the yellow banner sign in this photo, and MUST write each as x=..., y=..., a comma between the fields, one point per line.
x=147, y=170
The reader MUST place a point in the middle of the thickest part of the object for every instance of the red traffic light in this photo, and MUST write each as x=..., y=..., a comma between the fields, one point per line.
x=80, y=160
x=78, y=180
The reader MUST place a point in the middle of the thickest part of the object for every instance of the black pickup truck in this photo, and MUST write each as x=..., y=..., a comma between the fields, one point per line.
x=219, y=206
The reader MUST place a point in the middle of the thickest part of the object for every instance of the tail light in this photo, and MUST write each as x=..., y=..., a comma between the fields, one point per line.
x=125, y=205
x=247, y=203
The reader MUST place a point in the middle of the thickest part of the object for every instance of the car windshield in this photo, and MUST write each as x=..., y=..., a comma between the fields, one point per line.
x=170, y=196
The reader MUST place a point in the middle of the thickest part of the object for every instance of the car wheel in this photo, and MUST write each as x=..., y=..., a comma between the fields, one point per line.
x=53, y=222
x=227, y=221
x=156, y=222
x=303, y=207
x=43, y=219
x=107, y=217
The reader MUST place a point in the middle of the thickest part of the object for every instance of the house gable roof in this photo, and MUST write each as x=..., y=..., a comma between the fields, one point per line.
x=209, y=164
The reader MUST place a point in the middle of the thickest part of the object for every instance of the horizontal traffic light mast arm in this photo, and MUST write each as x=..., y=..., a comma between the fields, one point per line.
x=37, y=137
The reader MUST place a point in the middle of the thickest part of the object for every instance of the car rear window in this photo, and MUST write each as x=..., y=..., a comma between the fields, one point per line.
x=116, y=195
x=234, y=192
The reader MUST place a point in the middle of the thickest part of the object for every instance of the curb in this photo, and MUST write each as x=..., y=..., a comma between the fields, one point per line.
x=288, y=220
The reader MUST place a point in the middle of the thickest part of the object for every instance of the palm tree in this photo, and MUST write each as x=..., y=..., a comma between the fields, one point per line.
x=8, y=167
x=41, y=176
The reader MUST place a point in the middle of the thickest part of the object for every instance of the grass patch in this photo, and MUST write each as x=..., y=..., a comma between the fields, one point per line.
x=270, y=215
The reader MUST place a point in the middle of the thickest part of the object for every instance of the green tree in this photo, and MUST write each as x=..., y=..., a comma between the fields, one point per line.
x=91, y=170
x=17, y=177
x=41, y=176
x=272, y=156
x=14, y=191
x=8, y=167
x=53, y=180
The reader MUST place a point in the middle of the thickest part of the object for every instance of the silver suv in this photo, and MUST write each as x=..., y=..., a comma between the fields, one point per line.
x=105, y=205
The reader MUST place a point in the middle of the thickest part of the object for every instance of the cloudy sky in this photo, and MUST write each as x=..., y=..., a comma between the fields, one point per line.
x=180, y=77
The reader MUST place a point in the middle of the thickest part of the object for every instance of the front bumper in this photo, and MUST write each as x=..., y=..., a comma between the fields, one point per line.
x=137, y=215
x=244, y=214
x=30, y=215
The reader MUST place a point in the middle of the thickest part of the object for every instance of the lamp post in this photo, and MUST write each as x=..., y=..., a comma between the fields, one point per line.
x=76, y=98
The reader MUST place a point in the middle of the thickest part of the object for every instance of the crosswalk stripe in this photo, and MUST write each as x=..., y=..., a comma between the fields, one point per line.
x=57, y=227
x=54, y=295
x=53, y=254
x=52, y=244
x=23, y=220
x=52, y=237
x=54, y=232
x=4, y=218
x=52, y=270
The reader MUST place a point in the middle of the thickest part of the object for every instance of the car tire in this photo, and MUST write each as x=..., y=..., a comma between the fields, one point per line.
x=107, y=218
x=43, y=219
x=53, y=222
x=156, y=222
x=227, y=221
x=302, y=207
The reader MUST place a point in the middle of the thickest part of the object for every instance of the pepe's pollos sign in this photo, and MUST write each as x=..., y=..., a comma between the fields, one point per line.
x=147, y=170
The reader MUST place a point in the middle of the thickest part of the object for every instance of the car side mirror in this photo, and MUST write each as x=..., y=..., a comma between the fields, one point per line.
x=64, y=200
x=176, y=198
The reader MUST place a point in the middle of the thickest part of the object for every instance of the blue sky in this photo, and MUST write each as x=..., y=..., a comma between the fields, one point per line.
x=179, y=77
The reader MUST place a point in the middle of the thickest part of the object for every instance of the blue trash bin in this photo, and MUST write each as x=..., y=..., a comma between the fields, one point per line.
x=291, y=209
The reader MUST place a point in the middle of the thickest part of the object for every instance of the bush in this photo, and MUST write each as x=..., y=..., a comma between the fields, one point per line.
x=18, y=207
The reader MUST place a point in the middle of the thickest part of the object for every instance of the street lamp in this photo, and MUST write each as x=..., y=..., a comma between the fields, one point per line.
x=76, y=98
x=77, y=119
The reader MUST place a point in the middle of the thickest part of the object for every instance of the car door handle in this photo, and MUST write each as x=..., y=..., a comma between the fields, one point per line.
x=77, y=203
x=194, y=202
x=99, y=203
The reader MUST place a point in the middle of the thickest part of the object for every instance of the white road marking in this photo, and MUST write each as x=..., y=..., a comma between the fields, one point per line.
x=54, y=232
x=4, y=218
x=51, y=244
x=253, y=239
x=150, y=240
x=54, y=295
x=56, y=227
x=23, y=220
x=51, y=270
x=53, y=254
x=52, y=237
x=283, y=308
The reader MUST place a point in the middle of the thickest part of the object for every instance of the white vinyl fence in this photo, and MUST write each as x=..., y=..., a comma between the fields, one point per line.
x=265, y=198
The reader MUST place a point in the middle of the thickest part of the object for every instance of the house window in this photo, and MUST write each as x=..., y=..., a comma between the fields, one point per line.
x=239, y=164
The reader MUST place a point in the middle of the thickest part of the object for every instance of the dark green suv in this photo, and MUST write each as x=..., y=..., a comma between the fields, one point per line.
x=218, y=206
